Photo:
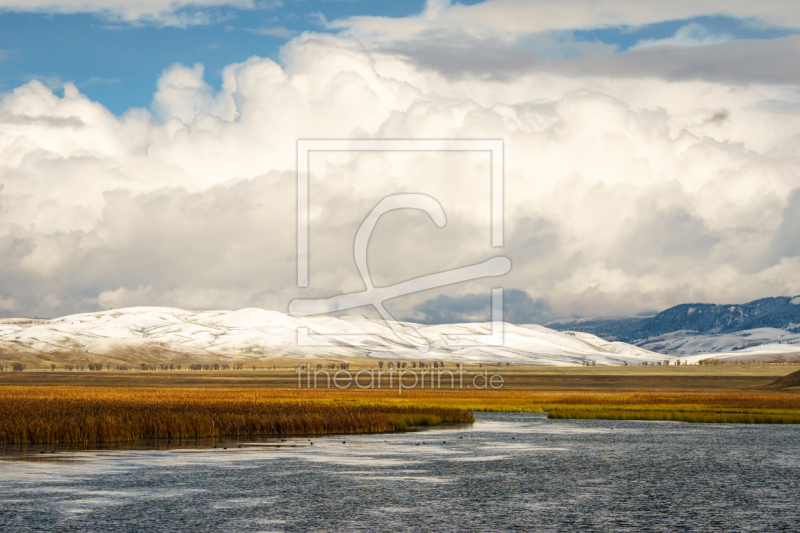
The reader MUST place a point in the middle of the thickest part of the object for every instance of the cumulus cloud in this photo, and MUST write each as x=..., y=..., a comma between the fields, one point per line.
x=620, y=195
x=786, y=240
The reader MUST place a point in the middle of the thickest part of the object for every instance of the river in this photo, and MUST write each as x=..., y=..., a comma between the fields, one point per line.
x=507, y=472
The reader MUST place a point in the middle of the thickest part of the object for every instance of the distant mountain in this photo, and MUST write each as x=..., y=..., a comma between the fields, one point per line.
x=782, y=312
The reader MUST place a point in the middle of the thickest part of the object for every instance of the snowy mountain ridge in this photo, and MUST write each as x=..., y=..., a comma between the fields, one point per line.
x=150, y=334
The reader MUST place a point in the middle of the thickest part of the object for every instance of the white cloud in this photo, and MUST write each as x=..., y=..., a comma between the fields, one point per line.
x=183, y=94
x=690, y=35
x=621, y=195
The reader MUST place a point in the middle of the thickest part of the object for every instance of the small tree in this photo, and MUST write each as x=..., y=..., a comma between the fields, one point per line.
x=17, y=367
x=52, y=367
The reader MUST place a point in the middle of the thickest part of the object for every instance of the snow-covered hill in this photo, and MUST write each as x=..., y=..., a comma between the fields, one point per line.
x=691, y=342
x=158, y=335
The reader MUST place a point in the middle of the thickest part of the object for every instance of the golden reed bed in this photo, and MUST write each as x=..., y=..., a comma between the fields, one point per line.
x=60, y=415
x=548, y=401
x=65, y=414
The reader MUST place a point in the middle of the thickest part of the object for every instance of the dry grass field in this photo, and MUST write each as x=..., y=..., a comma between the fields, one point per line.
x=721, y=378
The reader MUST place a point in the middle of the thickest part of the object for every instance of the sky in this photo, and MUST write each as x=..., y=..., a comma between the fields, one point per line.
x=148, y=152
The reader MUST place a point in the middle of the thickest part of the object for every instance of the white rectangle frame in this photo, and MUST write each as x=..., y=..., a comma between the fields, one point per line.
x=306, y=146
x=494, y=146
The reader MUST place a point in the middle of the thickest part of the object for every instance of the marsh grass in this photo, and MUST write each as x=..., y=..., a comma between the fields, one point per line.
x=60, y=415
x=727, y=408
x=67, y=414
x=680, y=416
x=738, y=407
x=539, y=401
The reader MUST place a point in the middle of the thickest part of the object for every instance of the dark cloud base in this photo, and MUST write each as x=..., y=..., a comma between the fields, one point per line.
x=518, y=308
x=772, y=61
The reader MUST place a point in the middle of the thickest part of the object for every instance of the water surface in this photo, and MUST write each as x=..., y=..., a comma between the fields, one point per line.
x=507, y=472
